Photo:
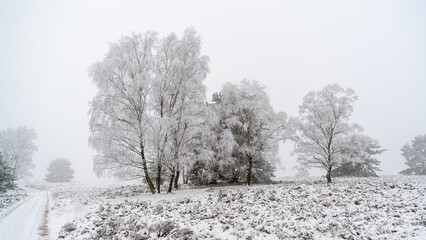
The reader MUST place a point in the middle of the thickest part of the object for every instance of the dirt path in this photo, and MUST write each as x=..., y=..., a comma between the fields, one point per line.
x=26, y=221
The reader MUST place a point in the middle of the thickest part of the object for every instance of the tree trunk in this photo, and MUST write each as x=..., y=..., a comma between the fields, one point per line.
x=183, y=176
x=424, y=169
x=186, y=178
x=329, y=175
x=145, y=169
x=249, y=171
x=177, y=179
x=159, y=177
x=172, y=177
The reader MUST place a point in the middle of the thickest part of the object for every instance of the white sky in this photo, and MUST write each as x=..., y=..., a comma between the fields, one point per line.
x=376, y=47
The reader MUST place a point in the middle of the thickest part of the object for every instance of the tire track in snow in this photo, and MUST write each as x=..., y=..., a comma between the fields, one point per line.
x=44, y=227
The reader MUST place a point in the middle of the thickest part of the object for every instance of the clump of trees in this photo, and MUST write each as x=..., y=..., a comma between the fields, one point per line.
x=7, y=179
x=59, y=170
x=150, y=118
x=415, y=156
x=145, y=113
x=241, y=141
x=17, y=147
x=326, y=138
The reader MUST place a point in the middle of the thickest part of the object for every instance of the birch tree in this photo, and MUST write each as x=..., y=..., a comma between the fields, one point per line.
x=324, y=128
x=146, y=109
x=18, y=148
x=179, y=98
x=166, y=69
x=120, y=111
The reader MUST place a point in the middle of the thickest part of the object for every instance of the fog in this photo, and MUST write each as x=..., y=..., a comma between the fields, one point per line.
x=378, y=48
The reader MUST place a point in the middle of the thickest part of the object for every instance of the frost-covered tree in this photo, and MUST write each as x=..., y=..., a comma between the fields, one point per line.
x=360, y=160
x=324, y=128
x=212, y=160
x=415, y=156
x=7, y=179
x=245, y=110
x=167, y=67
x=179, y=96
x=18, y=148
x=238, y=140
x=120, y=111
x=146, y=109
x=59, y=170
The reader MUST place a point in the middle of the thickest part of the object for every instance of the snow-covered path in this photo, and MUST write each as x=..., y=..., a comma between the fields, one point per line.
x=24, y=221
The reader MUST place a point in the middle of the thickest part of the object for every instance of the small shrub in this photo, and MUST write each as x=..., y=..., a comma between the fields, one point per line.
x=183, y=234
x=69, y=227
x=163, y=228
x=66, y=229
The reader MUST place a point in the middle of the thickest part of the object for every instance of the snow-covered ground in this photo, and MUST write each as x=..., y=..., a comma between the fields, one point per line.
x=23, y=219
x=10, y=198
x=349, y=208
x=391, y=207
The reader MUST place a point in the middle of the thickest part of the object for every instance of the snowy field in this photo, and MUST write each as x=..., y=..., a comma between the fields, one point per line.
x=351, y=208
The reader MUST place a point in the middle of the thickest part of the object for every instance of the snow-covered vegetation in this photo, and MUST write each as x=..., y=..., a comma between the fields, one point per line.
x=10, y=198
x=350, y=208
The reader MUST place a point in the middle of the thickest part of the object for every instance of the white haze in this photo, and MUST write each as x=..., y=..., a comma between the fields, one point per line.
x=378, y=48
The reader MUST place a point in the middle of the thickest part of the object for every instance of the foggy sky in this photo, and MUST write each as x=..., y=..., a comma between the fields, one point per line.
x=378, y=48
